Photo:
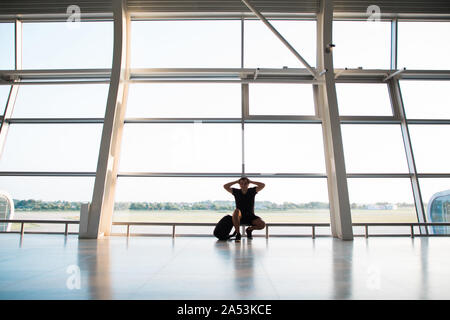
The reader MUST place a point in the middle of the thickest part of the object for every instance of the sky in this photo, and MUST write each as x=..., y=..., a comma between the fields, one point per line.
x=200, y=147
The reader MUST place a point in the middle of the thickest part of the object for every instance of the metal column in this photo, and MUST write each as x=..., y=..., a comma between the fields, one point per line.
x=102, y=205
x=399, y=109
x=340, y=215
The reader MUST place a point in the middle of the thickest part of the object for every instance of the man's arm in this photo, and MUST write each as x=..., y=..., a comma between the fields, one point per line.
x=227, y=186
x=259, y=185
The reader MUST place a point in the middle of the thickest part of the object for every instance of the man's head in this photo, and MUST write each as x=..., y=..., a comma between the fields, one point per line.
x=243, y=183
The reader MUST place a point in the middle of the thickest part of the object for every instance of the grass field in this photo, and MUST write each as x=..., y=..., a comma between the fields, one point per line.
x=398, y=215
x=287, y=216
x=296, y=215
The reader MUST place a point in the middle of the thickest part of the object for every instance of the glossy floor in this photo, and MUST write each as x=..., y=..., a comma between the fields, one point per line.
x=55, y=267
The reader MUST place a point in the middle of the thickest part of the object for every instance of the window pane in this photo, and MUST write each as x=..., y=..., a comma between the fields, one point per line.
x=363, y=99
x=56, y=189
x=263, y=49
x=205, y=200
x=423, y=45
x=426, y=99
x=430, y=146
x=186, y=43
x=7, y=48
x=47, y=198
x=61, y=101
x=184, y=100
x=438, y=210
x=284, y=148
x=364, y=44
x=374, y=149
x=281, y=99
x=381, y=200
x=191, y=147
x=53, y=147
x=59, y=45
x=4, y=93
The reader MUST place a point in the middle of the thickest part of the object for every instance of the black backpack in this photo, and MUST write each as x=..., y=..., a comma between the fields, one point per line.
x=223, y=228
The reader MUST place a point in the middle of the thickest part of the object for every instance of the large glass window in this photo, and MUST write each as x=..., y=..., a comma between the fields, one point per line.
x=381, y=200
x=426, y=99
x=7, y=48
x=281, y=99
x=205, y=199
x=363, y=99
x=51, y=147
x=61, y=101
x=189, y=147
x=186, y=44
x=47, y=198
x=263, y=49
x=284, y=148
x=73, y=189
x=60, y=45
x=374, y=149
x=423, y=45
x=189, y=100
x=430, y=147
x=364, y=44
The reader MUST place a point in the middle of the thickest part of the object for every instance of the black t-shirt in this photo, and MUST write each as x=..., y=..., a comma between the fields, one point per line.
x=245, y=202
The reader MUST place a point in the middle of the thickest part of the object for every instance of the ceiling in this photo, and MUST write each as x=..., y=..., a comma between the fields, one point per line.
x=17, y=7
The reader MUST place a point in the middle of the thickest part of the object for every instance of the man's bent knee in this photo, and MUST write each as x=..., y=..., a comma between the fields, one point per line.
x=262, y=224
x=259, y=224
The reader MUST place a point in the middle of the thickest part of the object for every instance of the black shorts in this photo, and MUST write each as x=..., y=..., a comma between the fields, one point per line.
x=248, y=218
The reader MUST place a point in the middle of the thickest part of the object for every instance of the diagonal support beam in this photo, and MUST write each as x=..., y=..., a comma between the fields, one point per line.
x=279, y=36
x=100, y=211
x=340, y=214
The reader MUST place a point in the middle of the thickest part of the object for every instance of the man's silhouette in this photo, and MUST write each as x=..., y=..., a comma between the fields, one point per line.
x=245, y=206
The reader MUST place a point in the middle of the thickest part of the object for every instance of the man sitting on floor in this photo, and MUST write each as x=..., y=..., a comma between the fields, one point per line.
x=245, y=206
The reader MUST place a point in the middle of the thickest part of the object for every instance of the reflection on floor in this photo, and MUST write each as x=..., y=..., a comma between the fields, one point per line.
x=55, y=267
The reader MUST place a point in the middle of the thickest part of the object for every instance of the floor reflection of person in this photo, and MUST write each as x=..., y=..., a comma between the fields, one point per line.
x=245, y=206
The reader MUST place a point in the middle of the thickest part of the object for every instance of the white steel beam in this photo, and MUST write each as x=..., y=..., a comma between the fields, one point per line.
x=279, y=36
x=340, y=215
x=102, y=205
x=394, y=90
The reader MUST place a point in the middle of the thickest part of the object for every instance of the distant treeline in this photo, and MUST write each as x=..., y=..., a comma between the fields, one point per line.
x=217, y=205
x=36, y=205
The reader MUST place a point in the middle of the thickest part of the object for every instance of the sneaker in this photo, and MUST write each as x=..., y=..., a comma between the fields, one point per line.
x=238, y=237
x=249, y=234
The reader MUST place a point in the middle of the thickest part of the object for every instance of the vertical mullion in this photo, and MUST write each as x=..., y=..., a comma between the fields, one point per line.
x=244, y=100
x=18, y=44
x=242, y=41
x=394, y=43
x=244, y=115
